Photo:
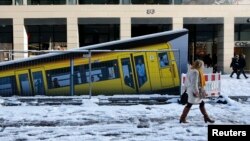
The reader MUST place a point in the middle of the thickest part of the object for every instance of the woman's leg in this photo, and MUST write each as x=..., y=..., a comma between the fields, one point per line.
x=185, y=113
x=204, y=112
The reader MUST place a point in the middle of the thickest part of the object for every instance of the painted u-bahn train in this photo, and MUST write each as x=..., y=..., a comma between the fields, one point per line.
x=126, y=72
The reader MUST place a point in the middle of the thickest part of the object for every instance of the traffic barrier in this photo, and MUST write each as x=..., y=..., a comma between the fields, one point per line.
x=213, y=83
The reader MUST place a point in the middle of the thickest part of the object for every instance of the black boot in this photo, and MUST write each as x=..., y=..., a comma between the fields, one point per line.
x=184, y=115
x=206, y=117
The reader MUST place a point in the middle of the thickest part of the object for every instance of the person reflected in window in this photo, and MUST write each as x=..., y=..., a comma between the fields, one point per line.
x=162, y=63
x=141, y=72
x=56, y=83
x=163, y=60
x=92, y=78
x=38, y=87
x=127, y=81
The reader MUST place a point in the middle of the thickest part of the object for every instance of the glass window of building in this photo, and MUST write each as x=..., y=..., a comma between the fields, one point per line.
x=144, y=26
x=6, y=38
x=18, y=2
x=5, y=2
x=46, y=34
x=99, y=1
x=205, y=38
x=46, y=2
x=242, y=39
x=242, y=32
x=98, y=30
x=205, y=2
x=72, y=2
x=151, y=1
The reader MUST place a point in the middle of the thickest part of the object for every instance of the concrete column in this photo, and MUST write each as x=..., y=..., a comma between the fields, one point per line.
x=228, y=50
x=25, y=2
x=177, y=23
x=72, y=33
x=20, y=39
x=125, y=28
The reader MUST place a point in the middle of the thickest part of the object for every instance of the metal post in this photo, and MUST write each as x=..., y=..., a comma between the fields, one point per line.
x=90, y=75
x=10, y=55
x=72, y=90
x=179, y=68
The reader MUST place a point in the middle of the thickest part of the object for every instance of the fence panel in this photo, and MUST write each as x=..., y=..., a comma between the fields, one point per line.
x=213, y=83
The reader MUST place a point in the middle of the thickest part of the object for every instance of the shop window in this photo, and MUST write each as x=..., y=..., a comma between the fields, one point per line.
x=19, y=2
x=6, y=41
x=6, y=2
x=95, y=33
x=151, y=1
x=44, y=37
x=46, y=2
x=242, y=32
x=144, y=29
x=98, y=1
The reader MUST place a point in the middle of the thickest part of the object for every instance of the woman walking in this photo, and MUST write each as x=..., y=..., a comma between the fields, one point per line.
x=195, y=87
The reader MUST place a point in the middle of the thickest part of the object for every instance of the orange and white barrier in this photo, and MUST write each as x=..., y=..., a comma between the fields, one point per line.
x=213, y=83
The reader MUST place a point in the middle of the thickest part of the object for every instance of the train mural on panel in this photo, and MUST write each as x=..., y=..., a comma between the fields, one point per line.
x=155, y=67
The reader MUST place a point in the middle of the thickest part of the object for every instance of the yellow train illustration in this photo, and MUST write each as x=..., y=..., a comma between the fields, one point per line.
x=152, y=67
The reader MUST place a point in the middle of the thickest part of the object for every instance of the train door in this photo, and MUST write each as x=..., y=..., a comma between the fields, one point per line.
x=166, y=74
x=128, y=83
x=24, y=85
x=38, y=81
x=141, y=69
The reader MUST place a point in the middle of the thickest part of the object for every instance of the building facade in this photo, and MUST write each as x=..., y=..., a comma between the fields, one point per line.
x=217, y=28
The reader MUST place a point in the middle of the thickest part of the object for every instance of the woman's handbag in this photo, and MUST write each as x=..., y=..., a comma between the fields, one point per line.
x=184, y=98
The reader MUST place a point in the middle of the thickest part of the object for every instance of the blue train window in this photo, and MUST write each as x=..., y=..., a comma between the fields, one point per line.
x=141, y=70
x=8, y=86
x=58, y=77
x=100, y=71
x=163, y=59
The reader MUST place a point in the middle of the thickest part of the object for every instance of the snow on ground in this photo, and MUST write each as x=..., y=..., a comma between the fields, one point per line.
x=235, y=87
x=91, y=122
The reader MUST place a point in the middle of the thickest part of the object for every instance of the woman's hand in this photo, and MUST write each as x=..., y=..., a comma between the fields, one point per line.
x=204, y=94
x=196, y=94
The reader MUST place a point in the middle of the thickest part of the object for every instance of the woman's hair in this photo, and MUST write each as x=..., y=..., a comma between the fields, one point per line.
x=197, y=64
